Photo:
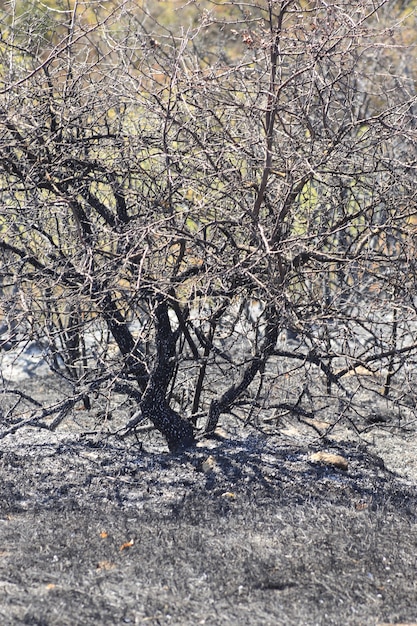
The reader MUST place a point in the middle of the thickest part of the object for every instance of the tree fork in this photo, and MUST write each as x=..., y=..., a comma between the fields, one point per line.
x=178, y=432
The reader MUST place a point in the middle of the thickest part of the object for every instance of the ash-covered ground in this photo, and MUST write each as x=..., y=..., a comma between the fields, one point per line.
x=253, y=527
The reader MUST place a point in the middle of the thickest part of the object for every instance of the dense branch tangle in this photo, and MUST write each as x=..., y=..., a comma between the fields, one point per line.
x=171, y=205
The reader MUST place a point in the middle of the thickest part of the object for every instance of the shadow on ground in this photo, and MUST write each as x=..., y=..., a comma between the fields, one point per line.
x=242, y=531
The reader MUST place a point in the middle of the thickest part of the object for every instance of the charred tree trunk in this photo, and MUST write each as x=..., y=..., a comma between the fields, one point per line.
x=119, y=329
x=178, y=432
x=223, y=404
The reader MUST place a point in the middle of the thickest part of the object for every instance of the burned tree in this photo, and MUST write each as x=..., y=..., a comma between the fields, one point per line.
x=173, y=201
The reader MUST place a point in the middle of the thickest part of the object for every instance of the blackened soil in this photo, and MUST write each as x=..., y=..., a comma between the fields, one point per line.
x=244, y=530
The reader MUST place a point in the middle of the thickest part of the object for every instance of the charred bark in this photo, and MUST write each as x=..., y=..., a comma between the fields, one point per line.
x=257, y=364
x=119, y=329
x=178, y=432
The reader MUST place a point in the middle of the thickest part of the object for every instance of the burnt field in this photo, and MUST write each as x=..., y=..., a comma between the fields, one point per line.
x=208, y=313
x=248, y=528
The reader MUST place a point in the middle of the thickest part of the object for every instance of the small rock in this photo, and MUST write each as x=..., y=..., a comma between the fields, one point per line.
x=328, y=458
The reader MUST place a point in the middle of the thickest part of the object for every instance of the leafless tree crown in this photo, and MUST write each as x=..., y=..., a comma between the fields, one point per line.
x=211, y=211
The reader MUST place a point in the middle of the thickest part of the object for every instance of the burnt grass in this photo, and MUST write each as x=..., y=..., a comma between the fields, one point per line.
x=246, y=529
